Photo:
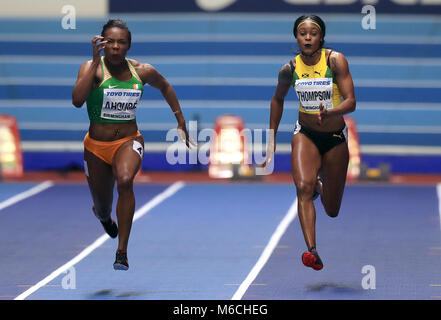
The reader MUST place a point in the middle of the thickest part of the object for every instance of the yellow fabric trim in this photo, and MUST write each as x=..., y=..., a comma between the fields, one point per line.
x=309, y=20
x=106, y=73
x=133, y=70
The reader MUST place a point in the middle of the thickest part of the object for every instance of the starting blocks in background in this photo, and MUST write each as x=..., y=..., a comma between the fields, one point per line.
x=356, y=168
x=354, y=149
x=379, y=173
x=229, y=150
x=11, y=158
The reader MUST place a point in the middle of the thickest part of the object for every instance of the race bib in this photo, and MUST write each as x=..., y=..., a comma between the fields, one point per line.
x=120, y=104
x=312, y=92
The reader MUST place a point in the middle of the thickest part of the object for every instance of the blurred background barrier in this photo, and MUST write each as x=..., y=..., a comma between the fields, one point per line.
x=225, y=59
x=280, y=6
x=43, y=9
x=11, y=157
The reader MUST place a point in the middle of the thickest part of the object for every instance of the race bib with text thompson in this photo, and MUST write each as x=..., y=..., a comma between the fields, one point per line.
x=312, y=92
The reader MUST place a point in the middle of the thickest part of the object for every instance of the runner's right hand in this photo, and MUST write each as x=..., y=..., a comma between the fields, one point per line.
x=271, y=148
x=98, y=46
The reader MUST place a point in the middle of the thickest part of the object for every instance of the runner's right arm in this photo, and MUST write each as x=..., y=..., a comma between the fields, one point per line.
x=86, y=74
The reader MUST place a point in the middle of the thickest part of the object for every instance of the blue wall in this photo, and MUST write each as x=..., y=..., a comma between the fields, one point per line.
x=265, y=6
x=229, y=64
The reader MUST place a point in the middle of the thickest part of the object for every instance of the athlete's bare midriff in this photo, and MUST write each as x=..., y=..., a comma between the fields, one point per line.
x=309, y=121
x=112, y=131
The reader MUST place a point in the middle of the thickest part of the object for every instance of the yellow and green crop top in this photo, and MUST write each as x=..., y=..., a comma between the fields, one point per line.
x=314, y=85
x=114, y=101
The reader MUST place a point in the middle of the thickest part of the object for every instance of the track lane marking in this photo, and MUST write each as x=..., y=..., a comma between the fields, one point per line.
x=266, y=254
x=171, y=190
x=26, y=194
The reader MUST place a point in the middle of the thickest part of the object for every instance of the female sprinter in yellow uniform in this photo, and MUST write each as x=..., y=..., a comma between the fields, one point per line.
x=320, y=155
x=113, y=148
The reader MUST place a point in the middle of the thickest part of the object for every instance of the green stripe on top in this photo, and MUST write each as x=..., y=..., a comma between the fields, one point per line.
x=295, y=77
x=330, y=74
x=120, y=101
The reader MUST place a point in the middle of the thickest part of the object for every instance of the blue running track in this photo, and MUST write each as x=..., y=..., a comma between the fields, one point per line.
x=201, y=241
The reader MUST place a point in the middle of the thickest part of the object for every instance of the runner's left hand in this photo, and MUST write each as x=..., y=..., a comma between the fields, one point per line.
x=184, y=136
x=322, y=114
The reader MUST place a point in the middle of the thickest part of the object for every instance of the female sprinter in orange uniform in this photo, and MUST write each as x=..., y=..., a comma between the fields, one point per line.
x=320, y=155
x=113, y=148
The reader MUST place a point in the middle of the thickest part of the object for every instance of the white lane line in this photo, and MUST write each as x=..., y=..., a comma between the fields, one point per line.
x=26, y=194
x=158, y=199
x=266, y=254
x=98, y=242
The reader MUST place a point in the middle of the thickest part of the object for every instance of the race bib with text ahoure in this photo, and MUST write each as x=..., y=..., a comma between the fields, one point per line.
x=120, y=104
